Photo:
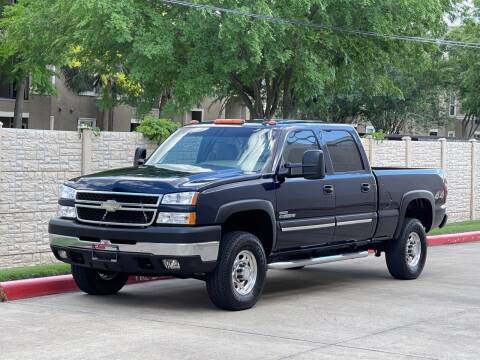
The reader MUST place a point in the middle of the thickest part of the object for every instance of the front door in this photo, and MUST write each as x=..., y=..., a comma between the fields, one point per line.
x=355, y=188
x=305, y=208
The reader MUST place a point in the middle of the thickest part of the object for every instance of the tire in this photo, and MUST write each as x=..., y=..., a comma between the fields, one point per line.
x=93, y=282
x=240, y=253
x=404, y=261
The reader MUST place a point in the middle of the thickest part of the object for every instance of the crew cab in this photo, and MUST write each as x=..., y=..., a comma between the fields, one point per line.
x=224, y=201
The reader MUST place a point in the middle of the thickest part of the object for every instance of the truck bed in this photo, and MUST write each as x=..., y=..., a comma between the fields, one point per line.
x=393, y=183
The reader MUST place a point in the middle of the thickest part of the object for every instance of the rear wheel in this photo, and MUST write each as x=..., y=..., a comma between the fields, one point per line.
x=238, y=280
x=406, y=255
x=95, y=282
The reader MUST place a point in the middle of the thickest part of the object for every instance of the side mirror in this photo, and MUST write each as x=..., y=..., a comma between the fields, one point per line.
x=140, y=156
x=313, y=164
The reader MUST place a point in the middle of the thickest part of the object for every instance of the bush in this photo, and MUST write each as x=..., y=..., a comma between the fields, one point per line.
x=156, y=129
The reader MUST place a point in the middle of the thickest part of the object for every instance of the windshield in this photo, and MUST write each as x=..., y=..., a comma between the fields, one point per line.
x=200, y=149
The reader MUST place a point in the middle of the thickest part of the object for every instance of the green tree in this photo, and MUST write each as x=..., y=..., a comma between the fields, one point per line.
x=276, y=67
x=127, y=45
x=148, y=52
x=462, y=70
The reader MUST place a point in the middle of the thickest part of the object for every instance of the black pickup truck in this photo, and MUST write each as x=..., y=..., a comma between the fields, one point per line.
x=225, y=201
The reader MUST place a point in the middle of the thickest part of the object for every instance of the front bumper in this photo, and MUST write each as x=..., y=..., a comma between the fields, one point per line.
x=136, y=251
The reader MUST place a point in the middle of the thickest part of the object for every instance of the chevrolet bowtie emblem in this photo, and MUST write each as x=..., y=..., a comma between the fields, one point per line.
x=111, y=206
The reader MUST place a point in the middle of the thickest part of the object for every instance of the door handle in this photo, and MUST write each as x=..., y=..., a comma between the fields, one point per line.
x=328, y=189
x=366, y=187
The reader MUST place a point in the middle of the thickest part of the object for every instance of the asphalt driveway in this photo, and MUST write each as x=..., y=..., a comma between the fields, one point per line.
x=345, y=310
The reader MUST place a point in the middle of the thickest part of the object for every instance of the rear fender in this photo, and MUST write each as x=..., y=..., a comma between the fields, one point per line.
x=406, y=200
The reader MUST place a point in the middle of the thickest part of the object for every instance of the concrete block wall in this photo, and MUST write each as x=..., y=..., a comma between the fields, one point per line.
x=459, y=182
x=33, y=163
x=460, y=160
x=112, y=150
x=476, y=184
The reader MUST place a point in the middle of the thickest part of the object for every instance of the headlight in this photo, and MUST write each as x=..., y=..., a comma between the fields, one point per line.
x=67, y=192
x=176, y=218
x=182, y=198
x=67, y=212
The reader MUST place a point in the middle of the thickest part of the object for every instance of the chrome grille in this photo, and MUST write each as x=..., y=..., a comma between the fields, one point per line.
x=118, y=209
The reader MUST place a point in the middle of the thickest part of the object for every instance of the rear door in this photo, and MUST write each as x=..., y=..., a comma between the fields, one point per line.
x=355, y=187
x=305, y=208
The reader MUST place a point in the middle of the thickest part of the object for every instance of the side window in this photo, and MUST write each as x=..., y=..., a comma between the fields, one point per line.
x=343, y=151
x=297, y=143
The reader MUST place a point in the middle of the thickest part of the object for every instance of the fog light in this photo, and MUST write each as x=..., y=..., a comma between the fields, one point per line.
x=171, y=264
x=62, y=254
x=68, y=212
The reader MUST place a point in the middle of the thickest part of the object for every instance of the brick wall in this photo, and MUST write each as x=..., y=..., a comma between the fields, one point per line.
x=33, y=163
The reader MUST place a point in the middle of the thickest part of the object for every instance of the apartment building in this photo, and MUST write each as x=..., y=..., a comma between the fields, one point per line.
x=68, y=111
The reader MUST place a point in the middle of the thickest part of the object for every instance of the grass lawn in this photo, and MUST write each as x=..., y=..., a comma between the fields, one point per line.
x=458, y=227
x=33, y=272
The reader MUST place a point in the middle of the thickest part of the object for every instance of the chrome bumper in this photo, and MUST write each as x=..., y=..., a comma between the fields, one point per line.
x=208, y=251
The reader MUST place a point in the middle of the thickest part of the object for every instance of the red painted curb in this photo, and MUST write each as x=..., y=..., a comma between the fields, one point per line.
x=448, y=239
x=24, y=289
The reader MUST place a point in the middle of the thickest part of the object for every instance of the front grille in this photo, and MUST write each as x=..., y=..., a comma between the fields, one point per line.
x=119, y=197
x=118, y=209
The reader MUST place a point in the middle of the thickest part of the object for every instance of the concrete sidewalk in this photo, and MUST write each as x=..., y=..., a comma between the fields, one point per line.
x=344, y=310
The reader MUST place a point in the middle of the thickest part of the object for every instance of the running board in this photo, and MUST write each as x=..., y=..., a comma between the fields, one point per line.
x=316, y=261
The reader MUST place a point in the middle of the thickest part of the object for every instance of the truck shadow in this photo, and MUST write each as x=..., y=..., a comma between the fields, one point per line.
x=191, y=295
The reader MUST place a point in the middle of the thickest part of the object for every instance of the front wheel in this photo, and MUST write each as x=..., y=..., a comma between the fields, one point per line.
x=238, y=280
x=95, y=282
x=406, y=255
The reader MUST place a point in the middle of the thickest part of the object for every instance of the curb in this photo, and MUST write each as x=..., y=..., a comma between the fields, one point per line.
x=28, y=288
x=24, y=289
x=449, y=239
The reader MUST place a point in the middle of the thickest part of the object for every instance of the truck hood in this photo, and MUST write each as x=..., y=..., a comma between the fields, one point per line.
x=159, y=180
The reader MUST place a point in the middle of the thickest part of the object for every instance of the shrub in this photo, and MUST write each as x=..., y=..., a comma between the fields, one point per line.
x=156, y=129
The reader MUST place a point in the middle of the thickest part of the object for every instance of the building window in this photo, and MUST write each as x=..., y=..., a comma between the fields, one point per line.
x=433, y=132
x=134, y=124
x=87, y=123
x=8, y=122
x=197, y=115
x=451, y=134
x=452, y=108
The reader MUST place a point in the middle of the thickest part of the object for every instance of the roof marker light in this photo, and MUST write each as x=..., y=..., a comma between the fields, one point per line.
x=229, y=121
x=270, y=122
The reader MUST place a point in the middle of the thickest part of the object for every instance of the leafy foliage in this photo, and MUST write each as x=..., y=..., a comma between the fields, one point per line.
x=156, y=129
x=145, y=52
x=275, y=68
x=462, y=70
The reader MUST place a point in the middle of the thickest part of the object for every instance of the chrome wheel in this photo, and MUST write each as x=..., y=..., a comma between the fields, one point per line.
x=244, y=272
x=107, y=276
x=413, y=252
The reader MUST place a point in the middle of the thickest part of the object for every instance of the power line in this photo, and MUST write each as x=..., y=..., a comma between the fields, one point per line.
x=280, y=20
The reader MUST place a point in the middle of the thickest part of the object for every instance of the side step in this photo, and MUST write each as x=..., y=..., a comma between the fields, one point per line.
x=315, y=261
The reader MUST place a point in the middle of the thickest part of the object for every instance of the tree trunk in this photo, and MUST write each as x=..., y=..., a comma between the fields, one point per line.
x=19, y=104
x=474, y=127
x=108, y=119
x=164, y=99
